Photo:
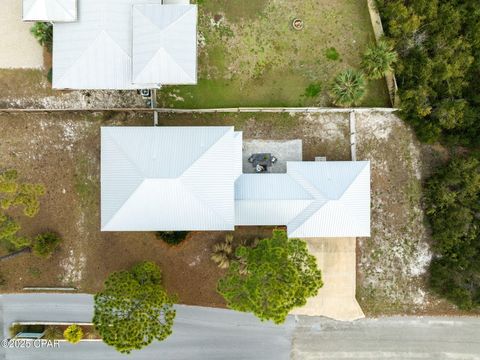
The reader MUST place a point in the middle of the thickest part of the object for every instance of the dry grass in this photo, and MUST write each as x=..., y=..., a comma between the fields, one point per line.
x=251, y=56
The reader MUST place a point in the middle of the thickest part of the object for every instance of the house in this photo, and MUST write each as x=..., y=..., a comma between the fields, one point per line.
x=49, y=10
x=119, y=44
x=190, y=178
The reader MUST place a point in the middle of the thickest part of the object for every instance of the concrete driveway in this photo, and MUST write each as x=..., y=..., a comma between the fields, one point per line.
x=19, y=48
x=336, y=299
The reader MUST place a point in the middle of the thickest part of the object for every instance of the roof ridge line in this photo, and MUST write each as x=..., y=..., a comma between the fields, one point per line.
x=162, y=48
x=61, y=5
x=198, y=159
x=126, y=200
x=169, y=25
x=353, y=181
x=103, y=31
x=140, y=172
x=296, y=175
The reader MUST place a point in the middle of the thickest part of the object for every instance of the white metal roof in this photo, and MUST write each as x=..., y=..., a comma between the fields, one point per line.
x=168, y=178
x=96, y=52
x=189, y=178
x=341, y=190
x=164, y=44
x=50, y=10
x=313, y=199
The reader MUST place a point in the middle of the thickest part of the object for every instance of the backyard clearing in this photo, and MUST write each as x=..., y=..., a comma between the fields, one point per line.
x=19, y=48
x=250, y=55
x=30, y=89
x=62, y=151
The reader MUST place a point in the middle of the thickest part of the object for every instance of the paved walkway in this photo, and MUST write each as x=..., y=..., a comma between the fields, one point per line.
x=336, y=299
x=19, y=48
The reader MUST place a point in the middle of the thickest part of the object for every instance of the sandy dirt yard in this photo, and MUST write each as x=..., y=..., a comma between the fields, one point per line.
x=63, y=150
x=19, y=48
x=63, y=153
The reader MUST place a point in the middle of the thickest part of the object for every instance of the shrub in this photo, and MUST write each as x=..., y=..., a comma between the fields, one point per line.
x=348, y=88
x=14, y=193
x=222, y=253
x=172, y=237
x=50, y=75
x=313, y=90
x=332, y=54
x=378, y=59
x=43, y=32
x=53, y=333
x=73, y=334
x=45, y=244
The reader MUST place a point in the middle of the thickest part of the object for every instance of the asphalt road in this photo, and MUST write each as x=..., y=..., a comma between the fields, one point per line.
x=433, y=338
x=210, y=334
x=198, y=333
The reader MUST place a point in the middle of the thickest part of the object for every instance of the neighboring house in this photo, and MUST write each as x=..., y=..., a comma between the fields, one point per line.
x=49, y=10
x=190, y=178
x=119, y=44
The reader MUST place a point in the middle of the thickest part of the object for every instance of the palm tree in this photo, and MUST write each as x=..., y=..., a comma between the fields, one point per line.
x=348, y=88
x=222, y=252
x=378, y=59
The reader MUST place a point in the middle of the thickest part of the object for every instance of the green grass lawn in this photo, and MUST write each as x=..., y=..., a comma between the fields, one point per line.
x=249, y=55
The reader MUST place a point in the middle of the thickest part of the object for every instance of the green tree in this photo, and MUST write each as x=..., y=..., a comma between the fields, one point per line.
x=378, y=59
x=16, y=194
x=453, y=205
x=272, y=278
x=438, y=43
x=348, y=88
x=134, y=309
x=73, y=334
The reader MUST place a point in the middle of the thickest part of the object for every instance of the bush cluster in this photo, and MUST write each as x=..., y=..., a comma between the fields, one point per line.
x=172, y=237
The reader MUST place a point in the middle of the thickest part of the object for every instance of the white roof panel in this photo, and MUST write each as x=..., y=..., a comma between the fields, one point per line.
x=165, y=44
x=313, y=199
x=96, y=51
x=342, y=199
x=167, y=178
x=188, y=178
x=50, y=10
